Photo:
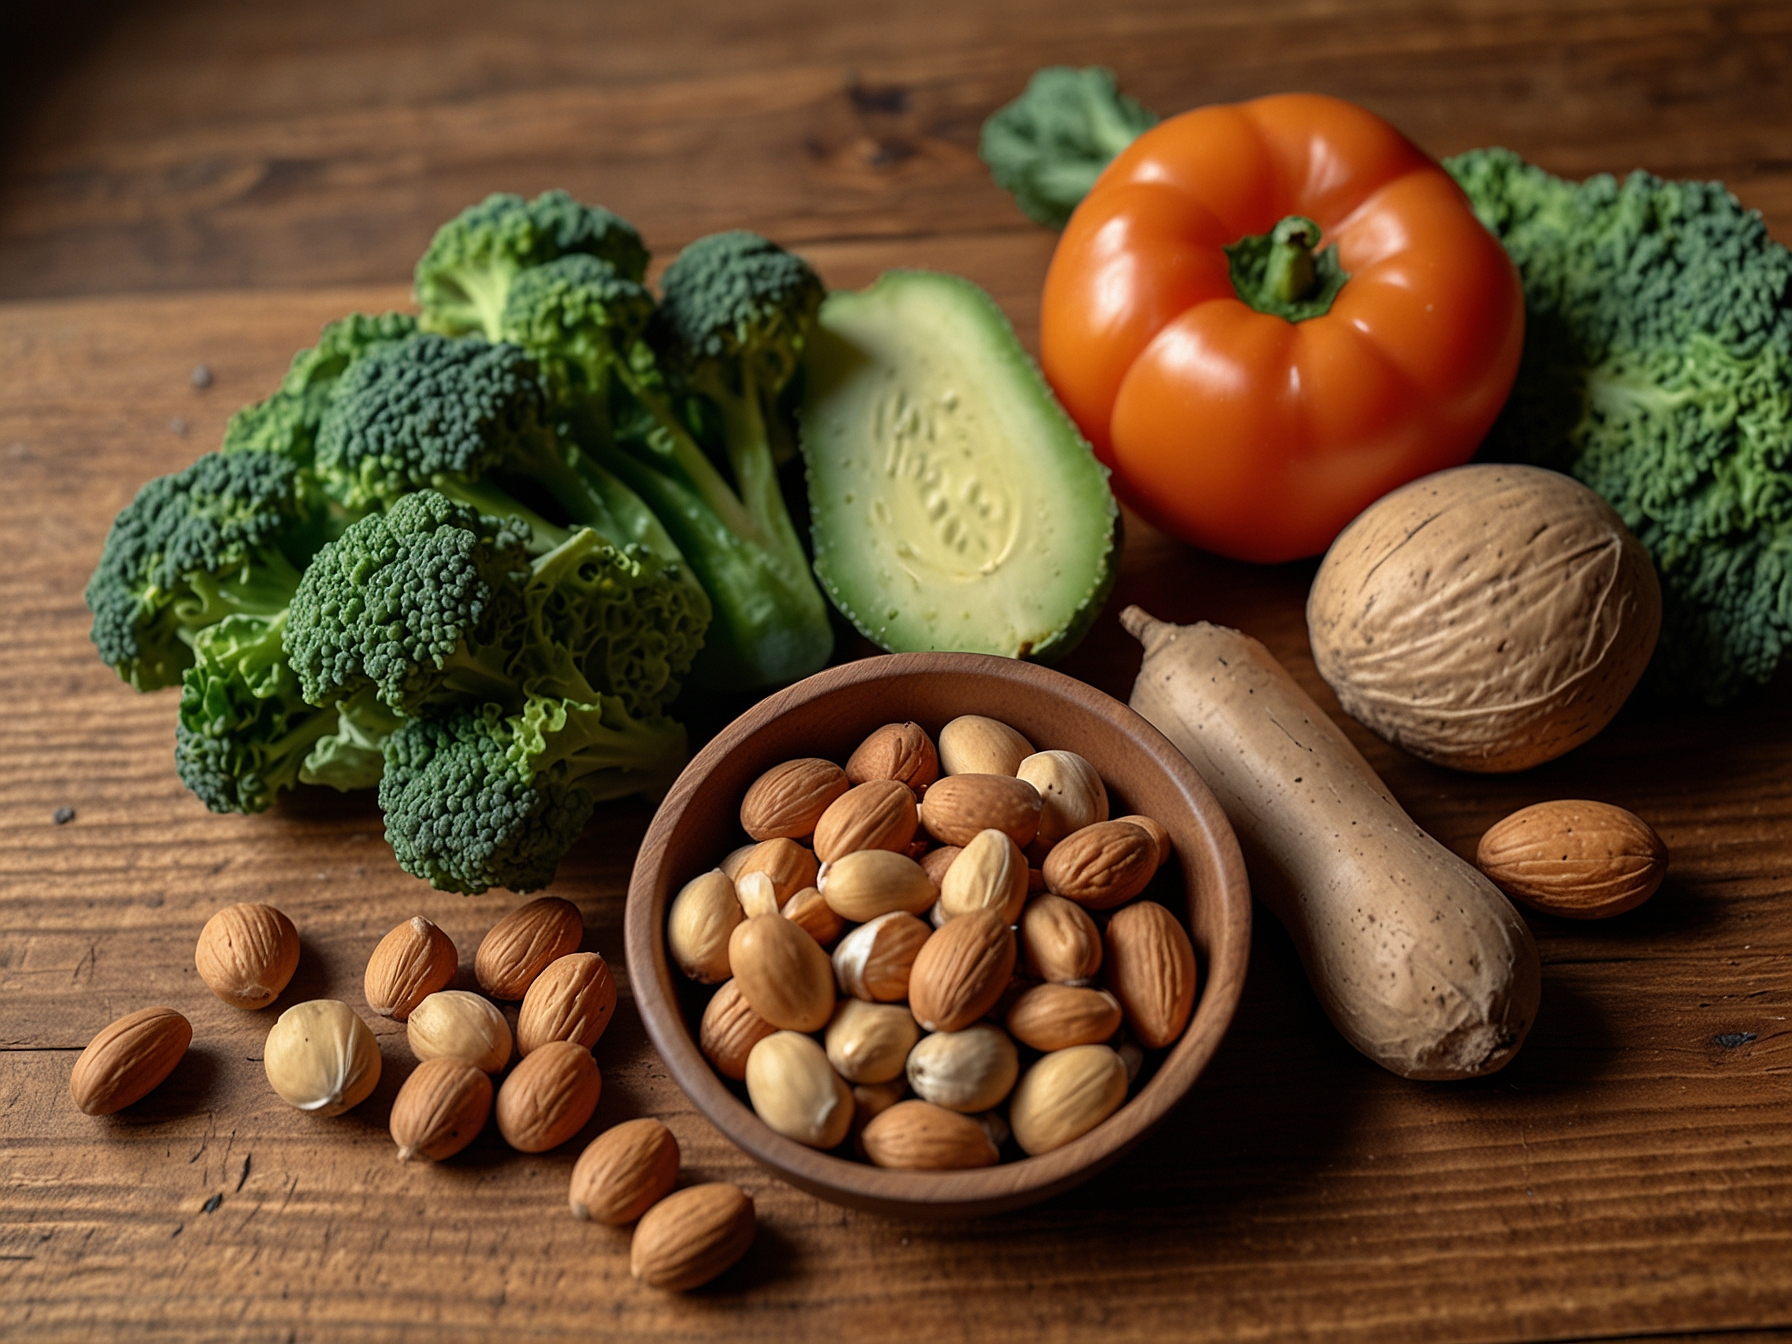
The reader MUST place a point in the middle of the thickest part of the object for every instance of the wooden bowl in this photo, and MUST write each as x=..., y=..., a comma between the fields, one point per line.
x=828, y=715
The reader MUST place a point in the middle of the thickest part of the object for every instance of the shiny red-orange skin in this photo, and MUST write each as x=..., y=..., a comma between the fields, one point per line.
x=1242, y=432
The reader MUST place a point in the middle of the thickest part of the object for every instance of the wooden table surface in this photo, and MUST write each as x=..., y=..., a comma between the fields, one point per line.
x=206, y=182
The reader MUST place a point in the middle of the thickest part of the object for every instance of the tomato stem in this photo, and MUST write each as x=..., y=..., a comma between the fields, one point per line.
x=1280, y=274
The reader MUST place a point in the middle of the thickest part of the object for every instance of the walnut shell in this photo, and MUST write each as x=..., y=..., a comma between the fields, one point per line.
x=1487, y=618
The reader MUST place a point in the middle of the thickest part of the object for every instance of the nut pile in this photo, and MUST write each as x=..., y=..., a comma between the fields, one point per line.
x=935, y=951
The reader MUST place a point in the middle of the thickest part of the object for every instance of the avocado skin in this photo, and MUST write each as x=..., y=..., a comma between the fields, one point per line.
x=847, y=552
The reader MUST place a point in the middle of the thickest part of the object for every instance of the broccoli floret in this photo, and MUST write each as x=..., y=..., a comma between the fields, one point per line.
x=1656, y=369
x=244, y=730
x=464, y=278
x=481, y=799
x=1047, y=147
x=286, y=423
x=227, y=535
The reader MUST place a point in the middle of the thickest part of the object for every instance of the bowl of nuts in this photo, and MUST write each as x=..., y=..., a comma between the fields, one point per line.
x=938, y=934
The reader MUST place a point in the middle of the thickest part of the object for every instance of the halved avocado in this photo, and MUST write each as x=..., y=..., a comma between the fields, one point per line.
x=954, y=504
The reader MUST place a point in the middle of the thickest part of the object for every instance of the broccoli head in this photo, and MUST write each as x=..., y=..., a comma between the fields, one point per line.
x=578, y=317
x=227, y=535
x=481, y=799
x=1657, y=358
x=286, y=423
x=464, y=278
x=1047, y=147
x=737, y=311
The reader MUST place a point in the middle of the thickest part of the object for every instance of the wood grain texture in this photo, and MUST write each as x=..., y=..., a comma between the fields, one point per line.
x=267, y=169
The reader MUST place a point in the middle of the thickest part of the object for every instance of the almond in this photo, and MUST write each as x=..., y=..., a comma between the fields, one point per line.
x=783, y=973
x=918, y=1136
x=990, y=873
x=321, y=1057
x=935, y=862
x=572, y=1000
x=970, y=1070
x=1150, y=967
x=795, y=1090
x=520, y=946
x=809, y=910
x=959, y=806
x=755, y=895
x=961, y=971
x=729, y=1031
x=899, y=751
x=702, y=916
x=247, y=954
x=878, y=814
x=1058, y=940
x=732, y=861
x=789, y=866
x=624, y=1172
x=873, y=882
x=411, y=963
x=870, y=1100
x=129, y=1059
x=458, y=1024
x=1574, y=858
x=1056, y=1017
x=869, y=1042
x=440, y=1109
x=1071, y=794
x=1157, y=832
x=974, y=745
x=788, y=799
x=1101, y=866
x=1065, y=1095
x=691, y=1236
x=548, y=1097
x=874, y=961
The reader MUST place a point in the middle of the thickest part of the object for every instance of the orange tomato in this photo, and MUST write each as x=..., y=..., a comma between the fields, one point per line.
x=1240, y=430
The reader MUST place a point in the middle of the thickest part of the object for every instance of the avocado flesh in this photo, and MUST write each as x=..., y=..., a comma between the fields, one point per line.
x=954, y=504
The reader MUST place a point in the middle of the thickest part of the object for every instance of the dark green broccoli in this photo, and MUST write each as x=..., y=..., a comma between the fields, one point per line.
x=1047, y=147
x=464, y=278
x=227, y=535
x=1657, y=369
x=482, y=799
x=286, y=423
x=737, y=311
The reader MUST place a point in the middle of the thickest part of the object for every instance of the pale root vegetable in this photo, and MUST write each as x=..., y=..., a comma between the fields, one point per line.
x=1416, y=957
x=1486, y=618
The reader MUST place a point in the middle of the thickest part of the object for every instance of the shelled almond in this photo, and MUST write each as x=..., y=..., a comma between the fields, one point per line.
x=939, y=875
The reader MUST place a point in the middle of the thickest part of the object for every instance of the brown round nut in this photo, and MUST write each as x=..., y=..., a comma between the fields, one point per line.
x=789, y=866
x=974, y=745
x=1065, y=1095
x=878, y=814
x=990, y=873
x=783, y=973
x=572, y=1000
x=1150, y=967
x=788, y=799
x=873, y=882
x=703, y=914
x=1157, y=832
x=1101, y=866
x=729, y=1031
x=1055, y=1017
x=899, y=751
x=1071, y=794
x=548, y=1097
x=935, y=863
x=519, y=947
x=129, y=1059
x=247, y=954
x=959, y=806
x=919, y=1136
x=795, y=1090
x=411, y=963
x=459, y=1024
x=691, y=1236
x=869, y=1042
x=874, y=961
x=961, y=971
x=624, y=1172
x=810, y=910
x=440, y=1109
x=1574, y=858
x=1058, y=940
x=321, y=1058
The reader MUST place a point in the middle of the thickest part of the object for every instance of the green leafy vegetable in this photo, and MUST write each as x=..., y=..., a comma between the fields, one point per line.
x=1048, y=146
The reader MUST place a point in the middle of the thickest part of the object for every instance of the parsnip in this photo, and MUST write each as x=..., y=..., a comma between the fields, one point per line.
x=1416, y=957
